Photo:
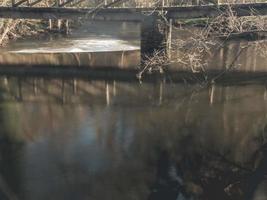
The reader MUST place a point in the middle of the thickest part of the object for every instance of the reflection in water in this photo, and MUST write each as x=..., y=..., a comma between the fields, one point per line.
x=83, y=139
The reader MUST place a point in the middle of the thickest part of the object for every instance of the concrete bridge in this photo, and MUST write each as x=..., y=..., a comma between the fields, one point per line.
x=150, y=37
x=131, y=14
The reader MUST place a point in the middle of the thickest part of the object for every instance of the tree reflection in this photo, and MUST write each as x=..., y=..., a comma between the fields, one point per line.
x=208, y=175
x=152, y=142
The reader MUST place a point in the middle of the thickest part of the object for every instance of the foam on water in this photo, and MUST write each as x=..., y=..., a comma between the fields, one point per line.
x=80, y=45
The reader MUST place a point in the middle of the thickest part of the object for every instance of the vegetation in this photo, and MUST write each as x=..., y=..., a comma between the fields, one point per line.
x=205, y=36
x=12, y=29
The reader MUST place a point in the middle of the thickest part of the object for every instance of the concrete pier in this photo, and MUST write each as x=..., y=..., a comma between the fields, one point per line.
x=115, y=59
x=151, y=37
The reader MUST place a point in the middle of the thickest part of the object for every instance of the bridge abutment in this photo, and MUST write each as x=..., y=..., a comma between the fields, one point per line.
x=152, y=38
x=156, y=35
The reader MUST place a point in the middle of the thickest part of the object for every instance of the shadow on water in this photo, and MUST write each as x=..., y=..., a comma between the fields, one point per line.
x=88, y=139
x=224, y=184
x=9, y=169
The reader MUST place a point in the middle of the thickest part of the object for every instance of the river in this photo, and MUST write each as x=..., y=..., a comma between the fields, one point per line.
x=91, y=44
x=87, y=139
x=74, y=138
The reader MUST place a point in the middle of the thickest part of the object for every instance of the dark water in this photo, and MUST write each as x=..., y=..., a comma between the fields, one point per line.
x=81, y=139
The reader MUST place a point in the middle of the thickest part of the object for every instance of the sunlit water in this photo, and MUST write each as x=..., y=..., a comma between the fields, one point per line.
x=90, y=37
x=80, y=45
x=94, y=44
x=80, y=139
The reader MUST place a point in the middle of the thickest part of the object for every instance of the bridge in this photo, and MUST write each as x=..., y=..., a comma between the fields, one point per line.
x=148, y=16
x=130, y=13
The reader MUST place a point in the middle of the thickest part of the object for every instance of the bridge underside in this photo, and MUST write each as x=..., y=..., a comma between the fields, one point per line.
x=131, y=14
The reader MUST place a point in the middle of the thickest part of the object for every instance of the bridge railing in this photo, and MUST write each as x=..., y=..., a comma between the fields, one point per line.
x=124, y=3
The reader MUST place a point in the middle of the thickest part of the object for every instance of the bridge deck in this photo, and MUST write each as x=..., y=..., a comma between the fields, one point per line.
x=130, y=14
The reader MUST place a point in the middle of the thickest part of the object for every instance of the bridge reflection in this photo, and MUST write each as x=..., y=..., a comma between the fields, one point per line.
x=71, y=91
x=73, y=138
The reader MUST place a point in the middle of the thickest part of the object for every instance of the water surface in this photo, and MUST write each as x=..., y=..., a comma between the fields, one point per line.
x=88, y=37
x=94, y=44
x=83, y=139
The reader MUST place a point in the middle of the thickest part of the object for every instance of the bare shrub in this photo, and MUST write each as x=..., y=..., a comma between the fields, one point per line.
x=155, y=63
x=192, y=52
x=228, y=23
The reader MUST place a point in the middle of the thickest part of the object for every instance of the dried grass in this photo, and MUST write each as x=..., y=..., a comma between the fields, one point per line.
x=191, y=52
